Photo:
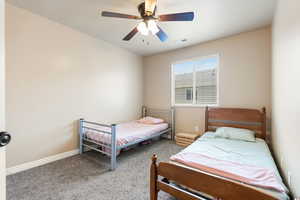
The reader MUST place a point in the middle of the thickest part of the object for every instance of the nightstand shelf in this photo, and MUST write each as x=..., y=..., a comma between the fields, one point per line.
x=185, y=139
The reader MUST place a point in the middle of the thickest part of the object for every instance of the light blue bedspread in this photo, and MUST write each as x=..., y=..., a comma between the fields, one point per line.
x=249, y=153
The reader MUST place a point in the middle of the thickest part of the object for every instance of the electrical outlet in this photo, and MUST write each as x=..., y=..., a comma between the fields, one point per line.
x=289, y=178
x=196, y=128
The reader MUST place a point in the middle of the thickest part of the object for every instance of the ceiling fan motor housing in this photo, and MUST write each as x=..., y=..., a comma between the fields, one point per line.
x=145, y=15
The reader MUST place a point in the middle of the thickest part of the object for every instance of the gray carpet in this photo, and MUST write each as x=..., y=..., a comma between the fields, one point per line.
x=86, y=177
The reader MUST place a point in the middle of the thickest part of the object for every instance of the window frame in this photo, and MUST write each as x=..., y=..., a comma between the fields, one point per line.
x=194, y=104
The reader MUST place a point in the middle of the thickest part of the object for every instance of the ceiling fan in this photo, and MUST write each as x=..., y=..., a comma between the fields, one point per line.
x=149, y=24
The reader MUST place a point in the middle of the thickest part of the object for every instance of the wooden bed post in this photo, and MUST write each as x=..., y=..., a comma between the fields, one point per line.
x=206, y=118
x=153, y=179
x=264, y=123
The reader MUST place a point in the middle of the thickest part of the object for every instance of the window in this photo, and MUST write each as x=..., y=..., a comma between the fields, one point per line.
x=195, y=82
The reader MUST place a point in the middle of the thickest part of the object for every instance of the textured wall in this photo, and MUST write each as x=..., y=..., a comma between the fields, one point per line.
x=55, y=75
x=2, y=103
x=285, y=89
x=245, y=75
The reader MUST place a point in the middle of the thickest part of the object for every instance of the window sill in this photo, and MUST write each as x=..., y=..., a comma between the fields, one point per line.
x=194, y=106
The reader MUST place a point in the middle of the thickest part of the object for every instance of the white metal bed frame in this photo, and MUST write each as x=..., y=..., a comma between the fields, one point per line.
x=167, y=114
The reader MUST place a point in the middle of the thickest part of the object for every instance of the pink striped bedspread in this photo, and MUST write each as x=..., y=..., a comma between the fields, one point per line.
x=247, y=162
x=251, y=175
x=127, y=132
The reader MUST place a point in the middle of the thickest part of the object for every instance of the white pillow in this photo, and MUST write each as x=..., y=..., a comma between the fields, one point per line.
x=150, y=120
x=235, y=134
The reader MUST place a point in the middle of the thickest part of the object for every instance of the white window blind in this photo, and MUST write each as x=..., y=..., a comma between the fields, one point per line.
x=195, y=82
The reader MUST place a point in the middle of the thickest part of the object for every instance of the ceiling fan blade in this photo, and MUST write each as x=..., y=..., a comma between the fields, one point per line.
x=150, y=6
x=161, y=35
x=186, y=16
x=131, y=34
x=118, y=15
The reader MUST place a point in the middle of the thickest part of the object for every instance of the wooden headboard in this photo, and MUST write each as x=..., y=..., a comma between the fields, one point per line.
x=251, y=119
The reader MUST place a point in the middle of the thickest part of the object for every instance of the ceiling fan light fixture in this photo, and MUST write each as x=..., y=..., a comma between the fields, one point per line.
x=142, y=28
x=152, y=26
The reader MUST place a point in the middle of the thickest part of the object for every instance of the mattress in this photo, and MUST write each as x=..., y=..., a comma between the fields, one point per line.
x=127, y=132
x=255, y=154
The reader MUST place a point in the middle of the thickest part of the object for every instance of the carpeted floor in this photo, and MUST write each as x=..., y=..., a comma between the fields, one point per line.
x=86, y=177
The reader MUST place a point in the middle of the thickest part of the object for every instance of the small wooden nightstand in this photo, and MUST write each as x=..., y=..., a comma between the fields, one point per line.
x=185, y=139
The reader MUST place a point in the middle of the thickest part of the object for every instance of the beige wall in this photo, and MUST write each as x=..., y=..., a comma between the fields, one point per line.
x=2, y=103
x=285, y=89
x=245, y=62
x=2, y=65
x=55, y=75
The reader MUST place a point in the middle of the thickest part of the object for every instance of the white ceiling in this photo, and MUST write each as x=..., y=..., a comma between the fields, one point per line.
x=213, y=19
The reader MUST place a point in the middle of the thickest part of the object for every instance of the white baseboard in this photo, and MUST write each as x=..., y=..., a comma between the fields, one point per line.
x=43, y=161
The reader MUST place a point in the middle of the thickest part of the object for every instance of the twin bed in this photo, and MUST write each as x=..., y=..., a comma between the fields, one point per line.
x=219, y=167
x=111, y=139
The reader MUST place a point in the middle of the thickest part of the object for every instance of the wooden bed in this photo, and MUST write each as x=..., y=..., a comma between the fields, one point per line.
x=218, y=188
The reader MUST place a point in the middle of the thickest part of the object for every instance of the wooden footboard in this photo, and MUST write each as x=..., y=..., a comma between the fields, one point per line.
x=216, y=187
